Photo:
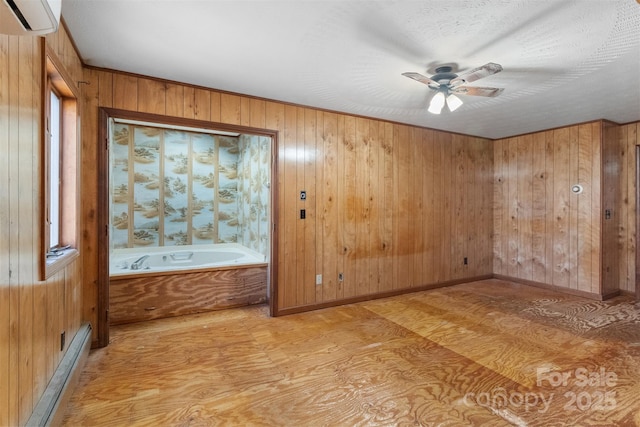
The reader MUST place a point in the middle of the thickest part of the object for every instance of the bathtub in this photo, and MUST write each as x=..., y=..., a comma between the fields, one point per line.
x=126, y=262
x=174, y=281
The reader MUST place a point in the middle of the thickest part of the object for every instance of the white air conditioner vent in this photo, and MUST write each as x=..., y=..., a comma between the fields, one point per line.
x=29, y=17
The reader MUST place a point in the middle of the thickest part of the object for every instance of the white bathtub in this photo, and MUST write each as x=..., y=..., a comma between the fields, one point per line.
x=129, y=261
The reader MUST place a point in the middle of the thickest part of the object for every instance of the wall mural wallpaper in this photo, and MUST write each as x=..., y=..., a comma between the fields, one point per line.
x=174, y=187
x=254, y=194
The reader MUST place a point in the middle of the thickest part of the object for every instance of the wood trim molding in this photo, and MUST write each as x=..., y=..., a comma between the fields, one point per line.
x=395, y=292
x=589, y=295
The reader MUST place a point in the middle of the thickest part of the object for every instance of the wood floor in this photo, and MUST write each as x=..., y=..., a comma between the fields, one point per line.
x=488, y=353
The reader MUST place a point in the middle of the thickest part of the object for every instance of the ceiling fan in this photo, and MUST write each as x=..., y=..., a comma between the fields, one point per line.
x=448, y=84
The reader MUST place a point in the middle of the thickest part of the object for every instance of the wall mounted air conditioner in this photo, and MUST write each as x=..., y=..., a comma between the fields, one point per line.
x=29, y=17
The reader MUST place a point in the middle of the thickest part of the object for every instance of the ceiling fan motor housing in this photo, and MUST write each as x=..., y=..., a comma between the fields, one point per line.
x=444, y=75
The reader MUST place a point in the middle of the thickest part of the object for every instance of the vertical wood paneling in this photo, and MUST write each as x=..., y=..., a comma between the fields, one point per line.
x=13, y=235
x=151, y=96
x=439, y=210
x=349, y=212
x=512, y=231
x=362, y=207
x=473, y=182
x=405, y=234
x=549, y=216
x=27, y=161
x=486, y=231
x=257, y=118
x=309, y=229
x=5, y=227
x=369, y=212
x=174, y=100
x=29, y=343
x=189, y=103
x=375, y=195
x=103, y=91
x=300, y=241
x=416, y=205
x=202, y=104
x=525, y=209
x=99, y=91
x=596, y=206
x=340, y=205
x=40, y=340
x=629, y=140
x=574, y=166
x=245, y=111
x=627, y=155
x=288, y=211
x=230, y=109
x=458, y=242
x=395, y=225
x=306, y=227
x=319, y=237
x=539, y=207
x=559, y=233
x=276, y=121
x=125, y=92
x=499, y=194
x=428, y=143
x=447, y=203
x=612, y=202
x=385, y=185
x=331, y=249
x=216, y=108
x=585, y=245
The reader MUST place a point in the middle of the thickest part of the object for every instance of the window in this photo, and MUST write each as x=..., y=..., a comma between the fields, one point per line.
x=60, y=171
x=53, y=210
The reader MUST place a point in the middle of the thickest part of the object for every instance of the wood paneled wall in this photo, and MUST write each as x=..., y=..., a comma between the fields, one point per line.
x=33, y=313
x=630, y=138
x=543, y=232
x=389, y=206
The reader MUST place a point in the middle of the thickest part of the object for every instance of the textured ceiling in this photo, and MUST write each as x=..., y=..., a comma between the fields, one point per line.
x=564, y=62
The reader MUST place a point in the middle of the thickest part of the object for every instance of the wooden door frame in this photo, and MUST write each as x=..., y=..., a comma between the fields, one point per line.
x=103, y=219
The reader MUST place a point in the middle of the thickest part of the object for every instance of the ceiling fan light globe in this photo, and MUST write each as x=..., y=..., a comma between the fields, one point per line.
x=436, y=104
x=453, y=102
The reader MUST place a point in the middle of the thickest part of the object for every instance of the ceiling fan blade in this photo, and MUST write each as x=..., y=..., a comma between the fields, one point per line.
x=477, y=91
x=477, y=73
x=422, y=79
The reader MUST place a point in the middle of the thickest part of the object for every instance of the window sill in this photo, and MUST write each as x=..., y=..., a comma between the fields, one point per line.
x=54, y=264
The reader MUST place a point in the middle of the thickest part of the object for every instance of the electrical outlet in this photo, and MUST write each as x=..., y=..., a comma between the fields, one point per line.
x=318, y=279
x=466, y=261
x=303, y=213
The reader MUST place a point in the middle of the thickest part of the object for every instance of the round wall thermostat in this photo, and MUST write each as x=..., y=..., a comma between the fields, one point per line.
x=577, y=189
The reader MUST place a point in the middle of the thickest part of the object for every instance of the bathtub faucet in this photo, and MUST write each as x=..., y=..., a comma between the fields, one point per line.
x=137, y=264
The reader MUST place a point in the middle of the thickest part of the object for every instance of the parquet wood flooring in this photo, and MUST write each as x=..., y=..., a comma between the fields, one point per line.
x=488, y=353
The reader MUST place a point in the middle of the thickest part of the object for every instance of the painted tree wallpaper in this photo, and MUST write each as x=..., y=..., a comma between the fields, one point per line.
x=173, y=187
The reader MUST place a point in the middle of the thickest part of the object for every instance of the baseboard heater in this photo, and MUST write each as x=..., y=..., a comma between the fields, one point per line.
x=50, y=409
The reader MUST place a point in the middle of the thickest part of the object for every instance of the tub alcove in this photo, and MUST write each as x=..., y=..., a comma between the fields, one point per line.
x=189, y=214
